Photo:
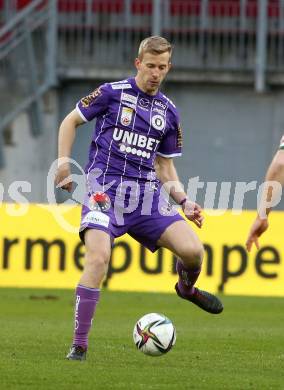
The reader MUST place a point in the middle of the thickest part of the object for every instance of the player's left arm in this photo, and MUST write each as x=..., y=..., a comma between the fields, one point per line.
x=167, y=174
x=275, y=173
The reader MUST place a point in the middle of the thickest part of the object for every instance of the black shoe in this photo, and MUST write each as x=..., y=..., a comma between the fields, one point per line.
x=77, y=353
x=204, y=300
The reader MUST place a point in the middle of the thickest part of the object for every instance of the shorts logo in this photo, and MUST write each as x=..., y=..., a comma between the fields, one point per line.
x=158, y=122
x=126, y=116
x=167, y=210
x=96, y=218
x=99, y=201
x=144, y=102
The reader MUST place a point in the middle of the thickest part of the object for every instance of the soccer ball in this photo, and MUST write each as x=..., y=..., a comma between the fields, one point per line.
x=154, y=334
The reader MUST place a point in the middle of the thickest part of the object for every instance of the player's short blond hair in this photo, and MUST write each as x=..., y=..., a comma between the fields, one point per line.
x=154, y=45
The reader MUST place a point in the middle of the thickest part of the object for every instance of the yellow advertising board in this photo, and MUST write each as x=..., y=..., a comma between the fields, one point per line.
x=37, y=251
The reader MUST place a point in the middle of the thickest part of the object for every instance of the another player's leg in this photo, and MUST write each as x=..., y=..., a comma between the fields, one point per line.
x=98, y=250
x=182, y=240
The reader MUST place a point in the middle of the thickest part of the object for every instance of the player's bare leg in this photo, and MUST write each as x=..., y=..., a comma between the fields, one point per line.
x=98, y=250
x=180, y=239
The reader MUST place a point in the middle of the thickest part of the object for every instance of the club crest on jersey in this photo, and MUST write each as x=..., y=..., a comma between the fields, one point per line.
x=99, y=201
x=158, y=122
x=126, y=116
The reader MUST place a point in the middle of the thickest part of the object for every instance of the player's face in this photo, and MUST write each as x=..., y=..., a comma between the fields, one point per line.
x=151, y=71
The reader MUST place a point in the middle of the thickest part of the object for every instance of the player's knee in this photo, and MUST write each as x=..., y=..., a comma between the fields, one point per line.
x=198, y=253
x=97, y=258
x=193, y=254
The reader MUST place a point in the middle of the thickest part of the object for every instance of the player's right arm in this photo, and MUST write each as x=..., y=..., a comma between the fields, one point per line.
x=275, y=173
x=88, y=108
x=66, y=137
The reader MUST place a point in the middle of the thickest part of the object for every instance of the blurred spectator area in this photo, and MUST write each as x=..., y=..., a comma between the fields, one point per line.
x=178, y=15
x=207, y=34
x=75, y=13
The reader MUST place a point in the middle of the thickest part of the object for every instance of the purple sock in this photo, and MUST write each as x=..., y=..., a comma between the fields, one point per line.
x=187, y=278
x=85, y=306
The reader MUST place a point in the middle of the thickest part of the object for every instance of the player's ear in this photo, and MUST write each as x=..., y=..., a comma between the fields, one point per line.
x=170, y=65
x=137, y=63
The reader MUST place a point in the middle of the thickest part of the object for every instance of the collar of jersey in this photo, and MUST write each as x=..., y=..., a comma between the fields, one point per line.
x=137, y=89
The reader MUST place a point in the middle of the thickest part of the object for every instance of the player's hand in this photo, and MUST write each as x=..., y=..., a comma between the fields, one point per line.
x=258, y=228
x=63, y=177
x=193, y=211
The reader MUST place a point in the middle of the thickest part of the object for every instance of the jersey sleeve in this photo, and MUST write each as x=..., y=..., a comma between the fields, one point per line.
x=171, y=144
x=281, y=145
x=94, y=104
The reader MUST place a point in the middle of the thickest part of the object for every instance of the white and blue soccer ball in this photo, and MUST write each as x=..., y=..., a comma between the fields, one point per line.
x=154, y=334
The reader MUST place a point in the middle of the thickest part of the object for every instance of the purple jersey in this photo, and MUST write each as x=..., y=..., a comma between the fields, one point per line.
x=132, y=127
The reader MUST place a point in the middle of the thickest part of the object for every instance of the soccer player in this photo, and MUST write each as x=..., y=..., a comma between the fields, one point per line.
x=274, y=173
x=136, y=136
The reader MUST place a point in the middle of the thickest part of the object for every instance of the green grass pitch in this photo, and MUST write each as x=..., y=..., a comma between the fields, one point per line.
x=243, y=348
